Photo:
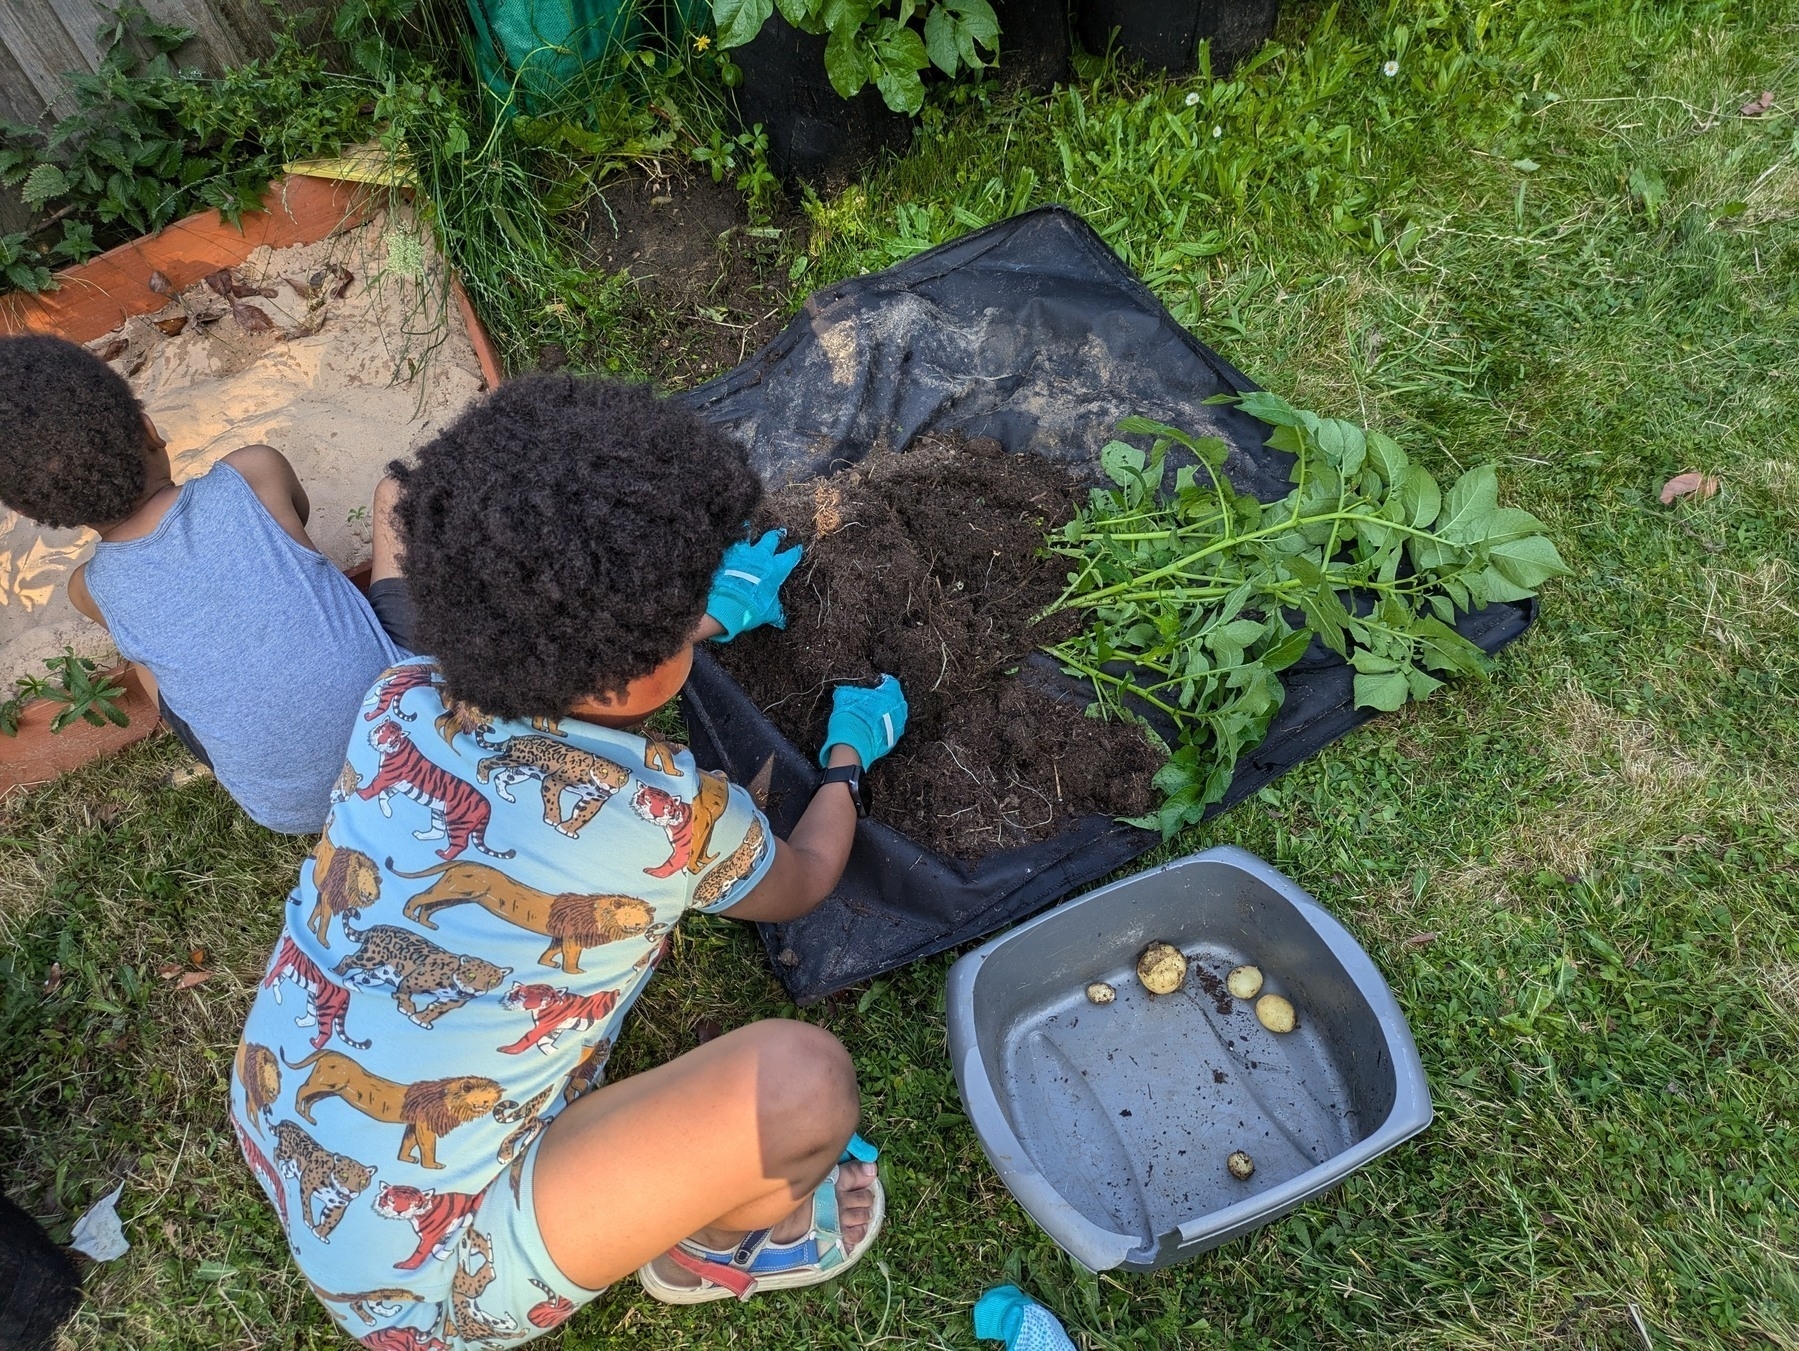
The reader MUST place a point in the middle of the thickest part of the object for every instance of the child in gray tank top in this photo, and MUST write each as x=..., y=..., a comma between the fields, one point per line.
x=260, y=648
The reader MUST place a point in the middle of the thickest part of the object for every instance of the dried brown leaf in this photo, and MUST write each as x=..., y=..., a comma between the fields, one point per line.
x=305, y=290
x=1420, y=940
x=191, y=979
x=251, y=319
x=1690, y=484
x=344, y=277
x=827, y=509
x=53, y=982
x=113, y=350
x=161, y=284
x=219, y=283
x=196, y=956
x=1756, y=107
x=168, y=970
x=171, y=326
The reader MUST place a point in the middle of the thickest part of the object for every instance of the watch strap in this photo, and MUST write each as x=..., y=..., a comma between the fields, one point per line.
x=852, y=776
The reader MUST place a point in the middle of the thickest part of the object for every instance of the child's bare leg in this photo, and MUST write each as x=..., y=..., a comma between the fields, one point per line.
x=728, y=1138
x=385, y=541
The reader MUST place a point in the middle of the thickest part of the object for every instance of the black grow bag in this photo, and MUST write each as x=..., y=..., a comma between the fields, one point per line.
x=1030, y=331
x=1165, y=34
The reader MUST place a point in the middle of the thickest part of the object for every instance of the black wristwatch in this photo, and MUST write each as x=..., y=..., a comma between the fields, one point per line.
x=852, y=775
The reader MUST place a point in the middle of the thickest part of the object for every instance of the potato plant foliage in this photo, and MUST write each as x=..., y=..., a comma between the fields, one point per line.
x=1196, y=600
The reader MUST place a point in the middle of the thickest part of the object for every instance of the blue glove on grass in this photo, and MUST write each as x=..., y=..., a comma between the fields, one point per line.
x=1006, y=1314
x=746, y=589
x=868, y=721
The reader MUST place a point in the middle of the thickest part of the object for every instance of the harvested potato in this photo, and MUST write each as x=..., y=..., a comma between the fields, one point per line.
x=1162, y=968
x=1245, y=982
x=1100, y=993
x=1241, y=1166
x=1276, y=1014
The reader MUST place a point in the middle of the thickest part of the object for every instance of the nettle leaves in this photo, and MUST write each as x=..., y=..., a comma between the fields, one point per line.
x=1196, y=599
x=875, y=41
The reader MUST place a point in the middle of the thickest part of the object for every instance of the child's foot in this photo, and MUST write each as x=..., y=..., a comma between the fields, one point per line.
x=855, y=1208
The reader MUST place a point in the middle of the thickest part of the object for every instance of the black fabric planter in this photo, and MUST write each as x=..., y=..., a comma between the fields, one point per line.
x=1165, y=34
x=39, y=1286
x=1030, y=331
x=814, y=134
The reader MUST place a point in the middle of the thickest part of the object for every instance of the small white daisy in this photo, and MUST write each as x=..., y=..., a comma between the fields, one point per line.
x=1192, y=100
x=1217, y=132
x=1390, y=69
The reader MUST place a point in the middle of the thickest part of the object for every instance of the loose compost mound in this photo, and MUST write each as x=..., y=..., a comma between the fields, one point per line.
x=927, y=564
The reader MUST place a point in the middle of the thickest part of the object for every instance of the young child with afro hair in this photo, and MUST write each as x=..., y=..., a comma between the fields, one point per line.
x=257, y=646
x=513, y=829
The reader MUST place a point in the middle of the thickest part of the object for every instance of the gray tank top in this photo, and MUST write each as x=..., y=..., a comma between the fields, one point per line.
x=258, y=643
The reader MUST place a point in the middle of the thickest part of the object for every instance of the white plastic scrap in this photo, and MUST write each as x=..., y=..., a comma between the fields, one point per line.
x=98, y=1233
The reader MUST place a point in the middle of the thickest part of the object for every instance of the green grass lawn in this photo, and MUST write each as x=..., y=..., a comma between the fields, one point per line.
x=1549, y=242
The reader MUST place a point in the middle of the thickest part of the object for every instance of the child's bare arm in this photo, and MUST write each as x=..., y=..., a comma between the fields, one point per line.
x=83, y=599
x=276, y=486
x=809, y=861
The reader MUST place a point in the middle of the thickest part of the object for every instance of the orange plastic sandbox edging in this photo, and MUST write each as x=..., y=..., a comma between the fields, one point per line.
x=95, y=297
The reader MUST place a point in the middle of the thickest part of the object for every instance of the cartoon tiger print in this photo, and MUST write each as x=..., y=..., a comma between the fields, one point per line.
x=327, y=1180
x=554, y=1012
x=742, y=861
x=418, y=969
x=688, y=825
x=459, y=814
x=437, y=1218
x=327, y=1002
x=560, y=768
x=264, y=1170
x=394, y=686
x=551, y=1310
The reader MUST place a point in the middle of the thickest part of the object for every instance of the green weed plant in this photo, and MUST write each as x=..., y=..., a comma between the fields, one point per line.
x=1195, y=601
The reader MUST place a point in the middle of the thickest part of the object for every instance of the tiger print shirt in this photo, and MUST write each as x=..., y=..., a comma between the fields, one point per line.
x=487, y=901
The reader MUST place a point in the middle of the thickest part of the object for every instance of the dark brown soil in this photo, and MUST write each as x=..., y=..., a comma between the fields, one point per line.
x=926, y=565
x=708, y=284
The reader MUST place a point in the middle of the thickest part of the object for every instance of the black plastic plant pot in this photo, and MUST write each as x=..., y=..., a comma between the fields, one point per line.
x=39, y=1285
x=1031, y=332
x=1165, y=34
x=815, y=135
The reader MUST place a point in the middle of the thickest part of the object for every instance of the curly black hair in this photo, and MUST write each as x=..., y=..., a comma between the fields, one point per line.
x=71, y=434
x=560, y=536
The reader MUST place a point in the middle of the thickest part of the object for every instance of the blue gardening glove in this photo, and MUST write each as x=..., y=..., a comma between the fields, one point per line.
x=746, y=589
x=868, y=720
x=1006, y=1314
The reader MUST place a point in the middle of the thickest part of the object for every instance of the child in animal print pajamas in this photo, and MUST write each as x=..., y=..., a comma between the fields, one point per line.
x=419, y=1084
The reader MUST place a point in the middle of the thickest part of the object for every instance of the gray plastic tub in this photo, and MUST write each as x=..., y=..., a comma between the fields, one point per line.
x=1111, y=1123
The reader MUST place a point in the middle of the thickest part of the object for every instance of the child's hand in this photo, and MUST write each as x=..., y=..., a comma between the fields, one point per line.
x=868, y=721
x=746, y=589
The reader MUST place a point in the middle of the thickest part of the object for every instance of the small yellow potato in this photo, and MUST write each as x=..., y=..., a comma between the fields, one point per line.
x=1162, y=968
x=1245, y=982
x=1276, y=1014
x=1241, y=1166
x=1100, y=993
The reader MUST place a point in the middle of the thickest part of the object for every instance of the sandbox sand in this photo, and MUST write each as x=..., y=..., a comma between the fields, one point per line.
x=340, y=385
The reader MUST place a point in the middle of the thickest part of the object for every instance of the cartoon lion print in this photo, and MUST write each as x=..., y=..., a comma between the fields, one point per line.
x=572, y=921
x=428, y=1109
x=329, y=1181
x=428, y=981
x=260, y=1074
x=346, y=880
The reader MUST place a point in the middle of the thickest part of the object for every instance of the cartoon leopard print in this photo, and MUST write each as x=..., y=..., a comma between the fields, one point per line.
x=428, y=981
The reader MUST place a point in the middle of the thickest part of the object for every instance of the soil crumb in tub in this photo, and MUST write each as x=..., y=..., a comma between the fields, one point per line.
x=928, y=564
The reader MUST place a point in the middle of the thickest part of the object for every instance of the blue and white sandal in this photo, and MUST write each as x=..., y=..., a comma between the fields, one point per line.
x=756, y=1264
